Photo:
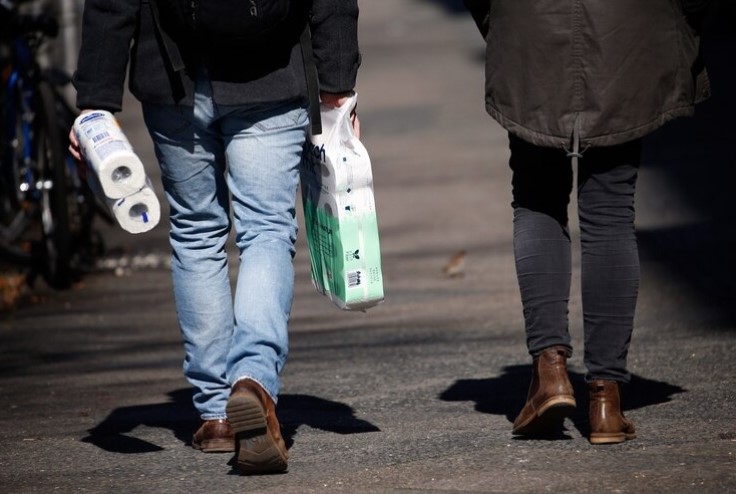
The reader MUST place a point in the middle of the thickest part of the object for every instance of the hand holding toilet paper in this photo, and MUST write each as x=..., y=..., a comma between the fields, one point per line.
x=117, y=174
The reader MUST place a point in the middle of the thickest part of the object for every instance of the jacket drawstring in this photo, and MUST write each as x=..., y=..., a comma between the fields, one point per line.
x=575, y=153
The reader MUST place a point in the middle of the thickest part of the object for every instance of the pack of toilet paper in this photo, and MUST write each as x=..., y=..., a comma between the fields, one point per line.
x=117, y=175
x=340, y=214
x=138, y=212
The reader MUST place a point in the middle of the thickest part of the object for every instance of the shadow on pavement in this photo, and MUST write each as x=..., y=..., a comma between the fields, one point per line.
x=178, y=415
x=295, y=411
x=506, y=395
x=451, y=6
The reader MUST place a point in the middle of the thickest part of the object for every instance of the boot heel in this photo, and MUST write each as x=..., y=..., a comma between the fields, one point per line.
x=607, y=423
x=252, y=416
x=548, y=419
x=245, y=414
x=550, y=398
x=603, y=438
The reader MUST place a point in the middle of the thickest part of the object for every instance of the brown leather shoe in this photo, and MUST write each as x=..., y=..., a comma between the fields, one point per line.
x=252, y=415
x=550, y=397
x=214, y=436
x=607, y=424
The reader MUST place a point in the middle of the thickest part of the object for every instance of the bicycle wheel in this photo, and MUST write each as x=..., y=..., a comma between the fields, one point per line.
x=55, y=202
x=16, y=212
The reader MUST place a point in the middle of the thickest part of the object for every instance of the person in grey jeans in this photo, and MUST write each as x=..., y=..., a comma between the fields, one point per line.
x=578, y=84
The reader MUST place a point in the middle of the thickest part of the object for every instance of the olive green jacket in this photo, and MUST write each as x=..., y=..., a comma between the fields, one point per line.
x=581, y=73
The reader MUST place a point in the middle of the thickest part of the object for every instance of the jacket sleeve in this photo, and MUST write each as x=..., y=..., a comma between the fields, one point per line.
x=480, y=10
x=108, y=28
x=334, y=26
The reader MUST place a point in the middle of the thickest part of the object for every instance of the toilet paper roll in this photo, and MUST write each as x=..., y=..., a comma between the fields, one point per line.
x=138, y=212
x=109, y=154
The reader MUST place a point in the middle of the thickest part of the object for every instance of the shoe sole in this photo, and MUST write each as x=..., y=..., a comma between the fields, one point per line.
x=549, y=418
x=258, y=452
x=610, y=438
x=215, y=446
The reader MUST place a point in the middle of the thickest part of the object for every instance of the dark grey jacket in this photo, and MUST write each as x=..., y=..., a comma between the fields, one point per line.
x=121, y=33
x=595, y=72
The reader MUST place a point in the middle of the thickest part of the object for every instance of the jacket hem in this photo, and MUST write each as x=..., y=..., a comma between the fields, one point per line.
x=612, y=139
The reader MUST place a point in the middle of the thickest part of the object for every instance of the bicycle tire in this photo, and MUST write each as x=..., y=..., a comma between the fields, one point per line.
x=16, y=247
x=50, y=153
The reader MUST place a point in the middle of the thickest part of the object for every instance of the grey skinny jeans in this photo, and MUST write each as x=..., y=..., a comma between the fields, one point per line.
x=542, y=183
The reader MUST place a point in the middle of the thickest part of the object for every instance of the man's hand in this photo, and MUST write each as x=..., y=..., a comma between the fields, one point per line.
x=74, y=146
x=336, y=100
x=76, y=152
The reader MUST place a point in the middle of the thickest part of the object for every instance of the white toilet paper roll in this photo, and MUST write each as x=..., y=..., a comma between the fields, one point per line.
x=108, y=152
x=138, y=212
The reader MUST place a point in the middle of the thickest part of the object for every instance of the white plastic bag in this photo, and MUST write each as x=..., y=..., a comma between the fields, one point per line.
x=340, y=213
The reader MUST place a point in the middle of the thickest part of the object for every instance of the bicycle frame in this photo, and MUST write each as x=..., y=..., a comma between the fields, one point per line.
x=46, y=208
x=20, y=174
x=16, y=86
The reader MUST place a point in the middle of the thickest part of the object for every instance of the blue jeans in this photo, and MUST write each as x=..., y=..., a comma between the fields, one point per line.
x=542, y=184
x=213, y=159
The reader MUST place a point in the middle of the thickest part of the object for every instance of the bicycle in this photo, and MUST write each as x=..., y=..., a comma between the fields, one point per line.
x=46, y=207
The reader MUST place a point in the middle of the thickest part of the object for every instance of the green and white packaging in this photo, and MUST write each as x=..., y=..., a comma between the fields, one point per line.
x=340, y=215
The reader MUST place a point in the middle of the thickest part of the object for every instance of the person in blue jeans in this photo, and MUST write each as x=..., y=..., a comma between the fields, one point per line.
x=229, y=131
x=577, y=84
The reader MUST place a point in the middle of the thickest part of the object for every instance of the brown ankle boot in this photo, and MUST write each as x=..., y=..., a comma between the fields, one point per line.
x=252, y=415
x=550, y=396
x=214, y=436
x=607, y=424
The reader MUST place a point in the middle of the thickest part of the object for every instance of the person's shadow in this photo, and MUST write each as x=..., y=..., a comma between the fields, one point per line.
x=114, y=434
x=295, y=411
x=506, y=395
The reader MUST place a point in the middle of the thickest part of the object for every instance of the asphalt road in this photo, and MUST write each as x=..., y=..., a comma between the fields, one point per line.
x=417, y=394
